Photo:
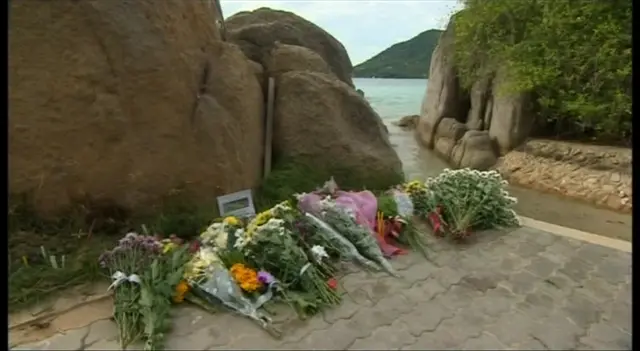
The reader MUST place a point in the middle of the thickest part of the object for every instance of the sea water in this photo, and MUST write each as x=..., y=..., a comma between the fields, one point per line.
x=393, y=99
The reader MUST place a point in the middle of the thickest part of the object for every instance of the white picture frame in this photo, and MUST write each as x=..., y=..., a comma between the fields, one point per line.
x=239, y=204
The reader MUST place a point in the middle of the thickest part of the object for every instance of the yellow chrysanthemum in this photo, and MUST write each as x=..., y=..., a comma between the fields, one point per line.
x=260, y=219
x=231, y=220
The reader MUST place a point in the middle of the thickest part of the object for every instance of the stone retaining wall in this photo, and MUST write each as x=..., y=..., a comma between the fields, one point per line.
x=596, y=174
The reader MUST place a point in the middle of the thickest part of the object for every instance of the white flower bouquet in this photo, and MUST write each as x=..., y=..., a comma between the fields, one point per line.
x=467, y=200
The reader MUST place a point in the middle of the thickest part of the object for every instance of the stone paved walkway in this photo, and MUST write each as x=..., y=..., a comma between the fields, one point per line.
x=527, y=290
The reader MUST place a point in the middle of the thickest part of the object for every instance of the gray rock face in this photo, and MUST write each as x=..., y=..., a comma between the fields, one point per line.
x=470, y=128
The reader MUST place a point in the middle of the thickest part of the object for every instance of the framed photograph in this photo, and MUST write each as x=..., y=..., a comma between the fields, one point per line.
x=239, y=204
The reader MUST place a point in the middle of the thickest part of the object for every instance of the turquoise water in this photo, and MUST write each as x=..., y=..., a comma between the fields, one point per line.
x=393, y=98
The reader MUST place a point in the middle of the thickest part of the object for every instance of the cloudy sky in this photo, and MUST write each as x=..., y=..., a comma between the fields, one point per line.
x=364, y=27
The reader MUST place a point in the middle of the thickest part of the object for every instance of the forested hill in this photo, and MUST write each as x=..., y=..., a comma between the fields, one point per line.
x=408, y=59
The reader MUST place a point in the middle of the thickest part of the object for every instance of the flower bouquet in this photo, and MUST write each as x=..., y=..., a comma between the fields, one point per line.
x=144, y=281
x=344, y=222
x=394, y=220
x=271, y=246
x=125, y=263
x=323, y=252
x=158, y=287
x=417, y=192
x=212, y=283
x=468, y=200
x=222, y=235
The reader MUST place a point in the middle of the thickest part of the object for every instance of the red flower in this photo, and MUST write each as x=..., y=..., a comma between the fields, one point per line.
x=333, y=283
x=194, y=247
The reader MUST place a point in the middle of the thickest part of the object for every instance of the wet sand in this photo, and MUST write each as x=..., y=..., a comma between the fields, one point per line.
x=420, y=164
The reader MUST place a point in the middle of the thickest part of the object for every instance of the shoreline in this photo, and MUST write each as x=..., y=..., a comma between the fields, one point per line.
x=595, y=175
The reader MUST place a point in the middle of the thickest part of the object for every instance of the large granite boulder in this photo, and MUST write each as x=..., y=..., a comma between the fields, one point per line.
x=286, y=58
x=321, y=120
x=128, y=101
x=470, y=128
x=444, y=97
x=258, y=31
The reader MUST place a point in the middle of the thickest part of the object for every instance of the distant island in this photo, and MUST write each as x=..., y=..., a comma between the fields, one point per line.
x=408, y=59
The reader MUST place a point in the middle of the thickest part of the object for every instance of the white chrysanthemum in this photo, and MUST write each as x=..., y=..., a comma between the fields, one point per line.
x=319, y=253
x=221, y=240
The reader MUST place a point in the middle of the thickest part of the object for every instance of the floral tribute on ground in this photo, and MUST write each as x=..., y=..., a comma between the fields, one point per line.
x=291, y=253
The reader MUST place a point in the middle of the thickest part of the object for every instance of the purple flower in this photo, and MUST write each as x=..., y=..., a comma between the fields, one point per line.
x=104, y=259
x=265, y=277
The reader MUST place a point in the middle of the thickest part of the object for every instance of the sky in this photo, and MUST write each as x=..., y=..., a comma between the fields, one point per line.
x=364, y=27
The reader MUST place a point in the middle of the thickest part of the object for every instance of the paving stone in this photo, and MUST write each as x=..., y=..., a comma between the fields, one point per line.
x=339, y=336
x=604, y=336
x=624, y=292
x=619, y=314
x=448, y=276
x=402, y=262
x=346, y=310
x=391, y=337
x=475, y=261
x=560, y=282
x=384, y=312
x=99, y=330
x=543, y=238
x=495, y=304
x=419, y=271
x=521, y=282
x=564, y=247
x=557, y=332
x=201, y=339
x=614, y=270
x=598, y=289
x=440, y=340
x=541, y=266
x=512, y=328
x=576, y=269
x=482, y=281
x=581, y=310
x=105, y=344
x=458, y=296
x=531, y=344
x=444, y=258
x=70, y=340
x=512, y=263
x=355, y=281
x=594, y=254
x=537, y=304
x=423, y=291
x=462, y=327
x=527, y=249
x=295, y=330
x=386, y=286
x=426, y=317
x=485, y=341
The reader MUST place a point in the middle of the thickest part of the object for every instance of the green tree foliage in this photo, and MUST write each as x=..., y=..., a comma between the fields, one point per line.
x=574, y=55
x=408, y=59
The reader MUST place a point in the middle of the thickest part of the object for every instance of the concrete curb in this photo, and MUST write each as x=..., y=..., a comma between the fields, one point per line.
x=577, y=234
